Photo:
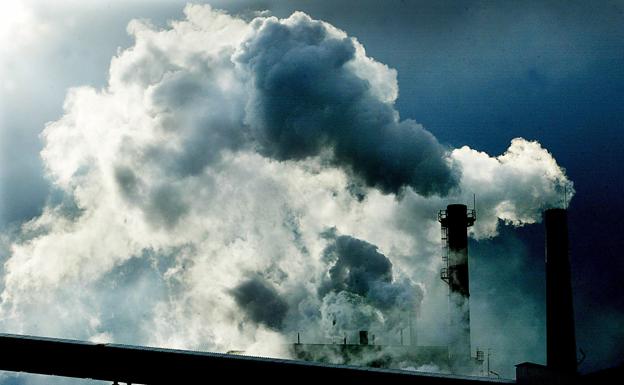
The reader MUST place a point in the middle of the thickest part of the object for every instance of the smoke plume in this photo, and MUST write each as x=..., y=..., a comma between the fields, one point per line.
x=194, y=192
x=314, y=91
x=360, y=290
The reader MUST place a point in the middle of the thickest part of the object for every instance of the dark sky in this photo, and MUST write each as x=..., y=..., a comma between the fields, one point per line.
x=472, y=73
x=479, y=74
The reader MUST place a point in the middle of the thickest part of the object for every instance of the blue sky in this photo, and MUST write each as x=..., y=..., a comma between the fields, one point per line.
x=472, y=73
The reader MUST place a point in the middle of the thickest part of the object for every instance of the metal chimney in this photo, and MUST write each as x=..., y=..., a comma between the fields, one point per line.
x=455, y=221
x=363, y=337
x=413, y=333
x=560, y=337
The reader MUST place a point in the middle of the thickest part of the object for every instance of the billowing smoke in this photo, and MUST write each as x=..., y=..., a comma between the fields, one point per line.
x=314, y=91
x=360, y=290
x=193, y=195
x=261, y=303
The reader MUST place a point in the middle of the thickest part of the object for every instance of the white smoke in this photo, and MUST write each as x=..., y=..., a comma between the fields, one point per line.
x=514, y=187
x=196, y=177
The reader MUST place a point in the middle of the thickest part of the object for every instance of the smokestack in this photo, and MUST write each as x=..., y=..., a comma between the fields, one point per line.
x=363, y=337
x=412, y=329
x=455, y=221
x=560, y=337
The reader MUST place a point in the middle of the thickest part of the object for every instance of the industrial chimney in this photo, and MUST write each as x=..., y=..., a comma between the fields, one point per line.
x=455, y=221
x=560, y=338
x=363, y=337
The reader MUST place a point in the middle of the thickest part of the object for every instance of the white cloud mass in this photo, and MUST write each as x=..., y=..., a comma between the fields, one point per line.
x=232, y=166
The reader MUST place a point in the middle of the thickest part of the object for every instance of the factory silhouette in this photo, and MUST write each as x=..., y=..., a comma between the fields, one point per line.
x=455, y=357
x=334, y=362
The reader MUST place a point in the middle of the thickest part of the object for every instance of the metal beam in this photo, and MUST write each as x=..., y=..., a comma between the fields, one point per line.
x=155, y=366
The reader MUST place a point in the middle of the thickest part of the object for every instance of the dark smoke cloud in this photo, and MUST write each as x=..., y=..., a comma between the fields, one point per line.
x=261, y=302
x=357, y=267
x=308, y=97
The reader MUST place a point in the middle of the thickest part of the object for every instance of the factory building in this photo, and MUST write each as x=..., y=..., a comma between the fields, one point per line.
x=366, y=353
x=455, y=357
x=129, y=364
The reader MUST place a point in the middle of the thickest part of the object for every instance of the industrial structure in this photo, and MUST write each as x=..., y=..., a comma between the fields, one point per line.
x=560, y=337
x=561, y=361
x=455, y=221
x=455, y=357
x=155, y=366
x=365, y=353
x=143, y=365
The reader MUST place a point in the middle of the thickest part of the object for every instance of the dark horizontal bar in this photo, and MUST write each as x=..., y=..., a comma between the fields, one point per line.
x=155, y=366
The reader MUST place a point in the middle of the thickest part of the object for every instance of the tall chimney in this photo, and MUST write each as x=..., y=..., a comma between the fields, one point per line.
x=363, y=337
x=455, y=221
x=560, y=338
x=413, y=329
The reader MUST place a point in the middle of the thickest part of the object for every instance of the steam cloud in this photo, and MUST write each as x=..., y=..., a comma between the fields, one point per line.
x=360, y=291
x=261, y=303
x=313, y=90
x=195, y=191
